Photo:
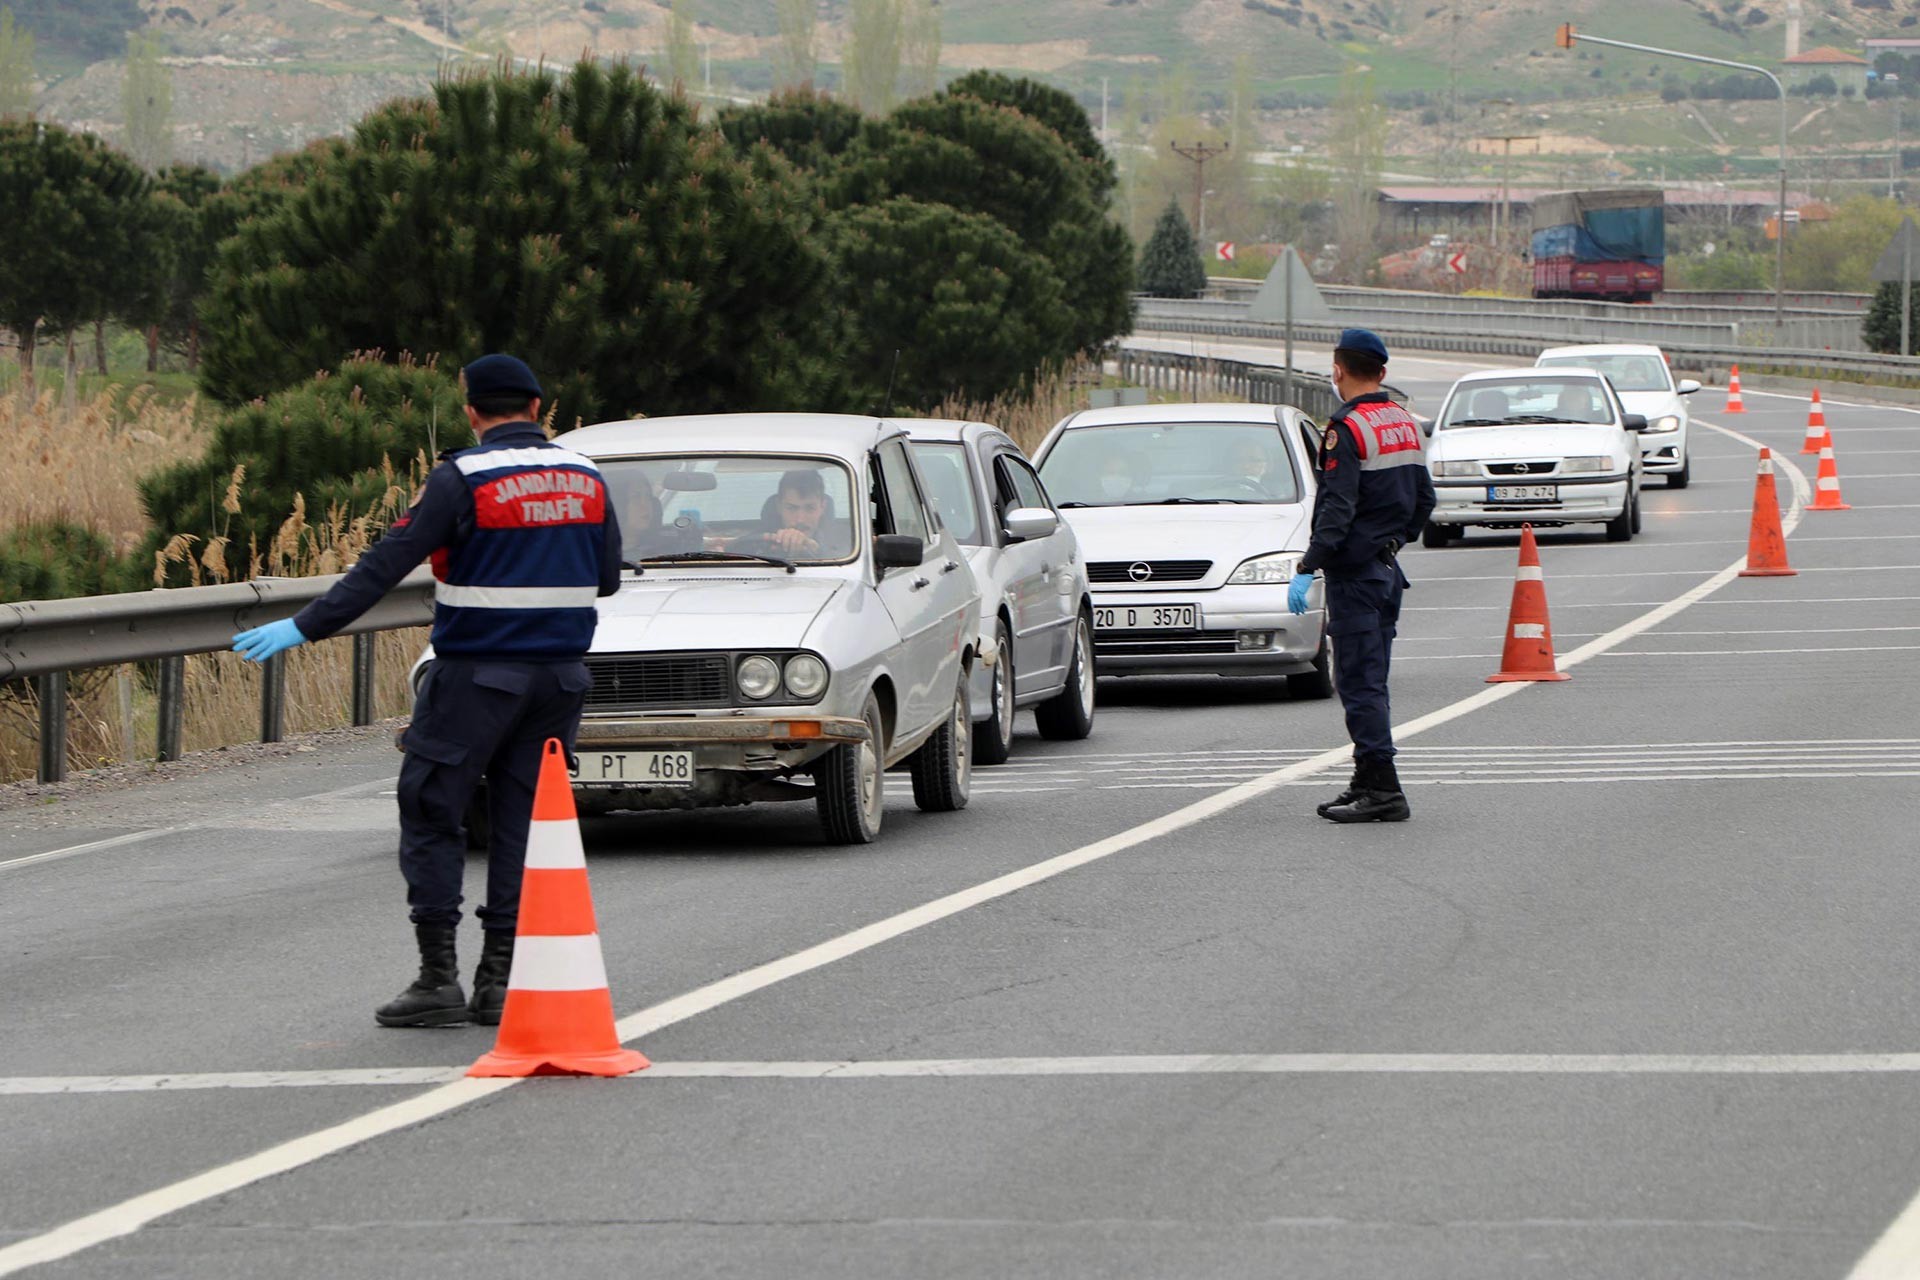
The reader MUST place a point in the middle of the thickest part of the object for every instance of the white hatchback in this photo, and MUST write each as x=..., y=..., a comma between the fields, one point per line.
x=1646, y=386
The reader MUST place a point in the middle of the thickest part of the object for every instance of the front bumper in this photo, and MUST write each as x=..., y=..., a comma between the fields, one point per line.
x=1465, y=502
x=1243, y=631
x=1664, y=452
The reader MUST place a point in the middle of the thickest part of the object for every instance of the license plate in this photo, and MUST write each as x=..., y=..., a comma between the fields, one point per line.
x=634, y=769
x=1148, y=617
x=1523, y=493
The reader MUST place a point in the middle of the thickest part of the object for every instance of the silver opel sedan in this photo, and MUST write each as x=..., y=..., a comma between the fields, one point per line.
x=794, y=620
x=1036, y=608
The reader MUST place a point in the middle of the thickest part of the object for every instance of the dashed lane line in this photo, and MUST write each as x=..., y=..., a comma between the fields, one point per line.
x=1752, y=603
x=130, y=1215
x=1543, y=1064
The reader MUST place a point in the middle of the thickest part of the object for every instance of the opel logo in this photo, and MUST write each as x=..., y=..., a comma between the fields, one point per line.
x=1521, y=469
x=1139, y=571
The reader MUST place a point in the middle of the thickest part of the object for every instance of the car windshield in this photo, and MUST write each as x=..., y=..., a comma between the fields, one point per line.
x=1625, y=372
x=1170, y=463
x=711, y=507
x=1525, y=400
x=944, y=467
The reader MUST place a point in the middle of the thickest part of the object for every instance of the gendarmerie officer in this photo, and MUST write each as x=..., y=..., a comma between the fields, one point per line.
x=522, y=540
x=1375, y=495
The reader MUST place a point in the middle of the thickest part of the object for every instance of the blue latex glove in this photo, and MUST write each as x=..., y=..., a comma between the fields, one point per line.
x=262, y=643
x=1297, y=592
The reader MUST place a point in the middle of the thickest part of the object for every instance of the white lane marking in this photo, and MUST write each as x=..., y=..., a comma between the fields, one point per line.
x=1724, y=653
x=1733, y=1064
x=1757, y=603
x=1665, y=573
x=129, y=1216
x=1742, y=511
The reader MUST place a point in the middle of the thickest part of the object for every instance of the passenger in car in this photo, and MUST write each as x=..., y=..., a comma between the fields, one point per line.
x=641, y=532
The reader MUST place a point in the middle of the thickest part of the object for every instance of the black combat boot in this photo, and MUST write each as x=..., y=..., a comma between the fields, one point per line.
x=1348, y=796
x=490, y=978
x=435, y=998
x=1377, y=796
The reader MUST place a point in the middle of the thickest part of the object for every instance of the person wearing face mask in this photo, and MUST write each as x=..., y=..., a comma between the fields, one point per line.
x=1116, y=478
x=1375, y=494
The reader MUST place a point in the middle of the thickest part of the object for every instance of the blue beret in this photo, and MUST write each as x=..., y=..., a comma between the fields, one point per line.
x=498, y=375
x=1365, y=341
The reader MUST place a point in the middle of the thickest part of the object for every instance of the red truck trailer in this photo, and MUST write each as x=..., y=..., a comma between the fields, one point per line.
x=1606, y=245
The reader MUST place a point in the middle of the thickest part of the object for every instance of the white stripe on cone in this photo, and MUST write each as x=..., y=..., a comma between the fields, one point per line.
x=1827, y=482
x=1529, y=631
x=554, y=845
x=1530, y=573
x=569, y=963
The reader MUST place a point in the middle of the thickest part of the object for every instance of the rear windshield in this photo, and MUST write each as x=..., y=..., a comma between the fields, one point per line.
x=1525, y=400
x=1170, y=463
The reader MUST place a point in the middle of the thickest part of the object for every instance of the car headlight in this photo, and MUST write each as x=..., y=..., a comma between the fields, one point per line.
x=1670, y=422
x=1586, y=464
x=806, y=676
x=1466, y=468
x=1265, y=570
x=758, y=676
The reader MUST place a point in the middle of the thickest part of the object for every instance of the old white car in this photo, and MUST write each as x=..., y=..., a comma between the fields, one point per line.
x=1193, y=519
x=1036, y=609
x=795, y=619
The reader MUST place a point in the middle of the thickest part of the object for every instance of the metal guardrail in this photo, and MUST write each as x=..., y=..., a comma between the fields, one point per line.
x=1186, y=373
x=45, y=640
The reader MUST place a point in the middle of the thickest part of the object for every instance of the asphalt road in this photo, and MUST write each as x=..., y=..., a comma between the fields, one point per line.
x=1631, y=996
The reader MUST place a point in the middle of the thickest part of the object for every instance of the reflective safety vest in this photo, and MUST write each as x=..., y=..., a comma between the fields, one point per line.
x=524, y=584
x=1386, y=435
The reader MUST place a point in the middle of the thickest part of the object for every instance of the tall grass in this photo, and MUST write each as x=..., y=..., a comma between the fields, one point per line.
x=1028, y=418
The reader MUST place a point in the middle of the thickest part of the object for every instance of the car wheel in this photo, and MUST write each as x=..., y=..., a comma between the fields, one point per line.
x=1068, y=715
x=478, y=823
x=1679, y=479
x=993, y=737
x=849, y=792
x=1317, y=683
x=1437, y=535
x=1620, y=528
x=942, y=769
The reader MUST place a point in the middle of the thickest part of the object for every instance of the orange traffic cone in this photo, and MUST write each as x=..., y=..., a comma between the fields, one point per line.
x=1529, y=648
x=1766, y=544
x=1826, y=485
x=1734, y=403
x=1816, y=426
x=559, y=1014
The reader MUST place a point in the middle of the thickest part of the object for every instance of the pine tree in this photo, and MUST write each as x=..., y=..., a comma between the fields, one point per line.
x=587, y=223
x=1170, y=265
x=16, y=67
x=1881, y=328
x=809, y=128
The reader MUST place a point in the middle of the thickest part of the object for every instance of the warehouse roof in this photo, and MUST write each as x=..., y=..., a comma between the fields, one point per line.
x=1825, y=56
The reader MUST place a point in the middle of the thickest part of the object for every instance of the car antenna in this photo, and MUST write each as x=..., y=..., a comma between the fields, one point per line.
x=886, y=410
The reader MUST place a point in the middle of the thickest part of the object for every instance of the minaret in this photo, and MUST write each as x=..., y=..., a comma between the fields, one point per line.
x=1793, y=28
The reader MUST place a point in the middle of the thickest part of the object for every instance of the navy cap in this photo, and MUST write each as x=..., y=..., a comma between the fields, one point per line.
x=1365, y=341
x=499, y=375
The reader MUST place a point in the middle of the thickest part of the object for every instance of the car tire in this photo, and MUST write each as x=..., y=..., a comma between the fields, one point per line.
x=1680, y=479
x=993, y=737
x=1620, y=528
x=1068, y=715
x=942, y=769
x=1317, y=683
x=849, y=787
x=1636, y=511
x=1437, y=535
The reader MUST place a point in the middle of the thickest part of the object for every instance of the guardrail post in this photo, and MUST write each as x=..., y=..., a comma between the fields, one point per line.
x=273, y=698
x=51, y=692
x=171, y=695
x=363, y=658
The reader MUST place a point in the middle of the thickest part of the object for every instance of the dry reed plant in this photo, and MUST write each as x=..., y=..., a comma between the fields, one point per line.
x=1028, y=418
x=83, y=464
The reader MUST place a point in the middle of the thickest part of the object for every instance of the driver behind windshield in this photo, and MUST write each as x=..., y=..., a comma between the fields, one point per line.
x=1249, y=465
x=799, y=521
x=1575, y=404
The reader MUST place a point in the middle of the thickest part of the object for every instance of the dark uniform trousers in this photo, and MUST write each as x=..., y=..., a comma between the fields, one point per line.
x=474, y=721
x=1363, y=615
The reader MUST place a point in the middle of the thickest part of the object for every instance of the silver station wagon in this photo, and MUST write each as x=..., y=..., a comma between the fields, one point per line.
x=794, y=619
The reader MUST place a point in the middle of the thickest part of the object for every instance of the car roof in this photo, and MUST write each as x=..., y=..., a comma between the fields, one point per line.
x=1118, y=415
x=1490, y=375
x=835, y=434
x=1605, y=349
x=949, y=430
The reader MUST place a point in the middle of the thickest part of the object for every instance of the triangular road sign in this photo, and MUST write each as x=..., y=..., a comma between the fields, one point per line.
x=1270, y=303
x=1895, y=262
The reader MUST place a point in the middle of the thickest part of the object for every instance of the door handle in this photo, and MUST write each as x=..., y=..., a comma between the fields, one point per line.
x=918, y=583
x=951, y=566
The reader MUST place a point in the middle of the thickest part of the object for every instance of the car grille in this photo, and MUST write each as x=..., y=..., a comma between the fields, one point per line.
x=659, y=681
x=1533, y=469
x=1163, y=570
x=1153, y=644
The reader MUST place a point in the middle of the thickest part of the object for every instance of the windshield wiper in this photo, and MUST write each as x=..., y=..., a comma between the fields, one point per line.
x=1478, y=422
x=1064, y=505
x=750, y=556
x=628, y=564
x=1180, y=502
x=1545, y=417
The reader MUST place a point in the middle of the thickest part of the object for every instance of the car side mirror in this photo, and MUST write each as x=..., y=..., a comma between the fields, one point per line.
x=1687, y=387
x=1426, y=427
x=1634, y=421
x=898, y=551
x=1025, y=523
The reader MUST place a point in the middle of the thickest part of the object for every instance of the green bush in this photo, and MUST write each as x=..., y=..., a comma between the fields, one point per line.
x=54, y=560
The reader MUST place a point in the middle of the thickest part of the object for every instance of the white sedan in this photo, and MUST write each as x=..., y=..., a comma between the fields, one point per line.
x=1193, y=519
x=1646, y=386
x=1534, y=446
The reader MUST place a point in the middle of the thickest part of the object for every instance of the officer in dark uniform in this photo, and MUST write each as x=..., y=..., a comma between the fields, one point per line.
x=522, y=540
x=1375, y=495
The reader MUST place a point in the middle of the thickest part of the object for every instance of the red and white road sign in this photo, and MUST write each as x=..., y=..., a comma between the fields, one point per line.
x=1457, y=263
x=1225, y=249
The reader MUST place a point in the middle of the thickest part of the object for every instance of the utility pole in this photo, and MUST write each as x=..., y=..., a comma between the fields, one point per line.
x=1200, y=153
x=1503, y=211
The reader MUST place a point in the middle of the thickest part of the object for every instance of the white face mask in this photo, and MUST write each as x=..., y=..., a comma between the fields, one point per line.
x=1115, y=486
